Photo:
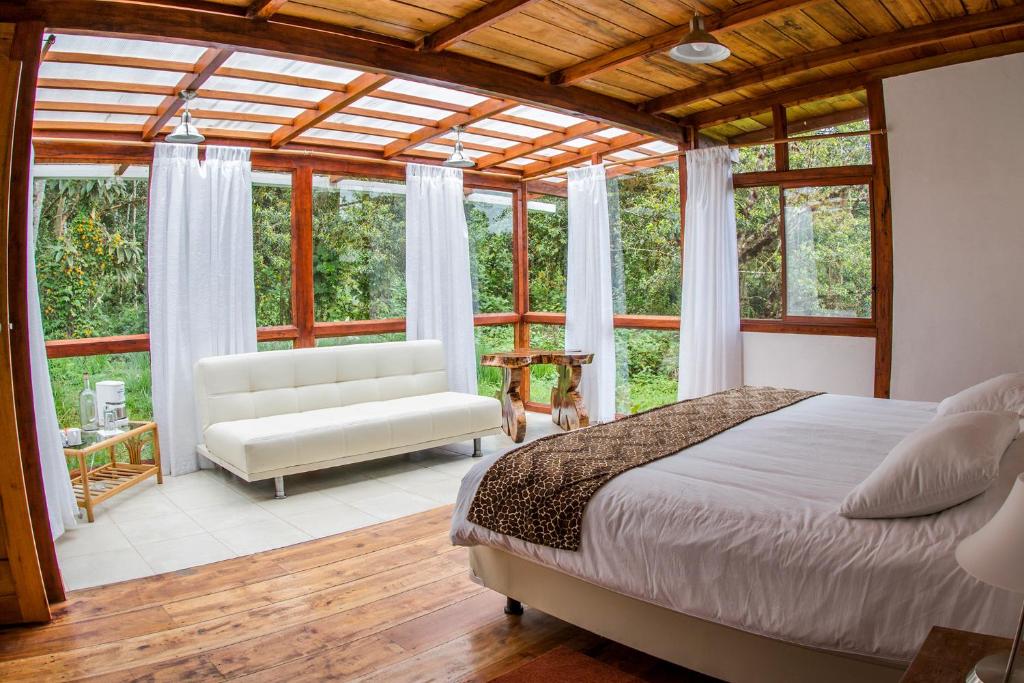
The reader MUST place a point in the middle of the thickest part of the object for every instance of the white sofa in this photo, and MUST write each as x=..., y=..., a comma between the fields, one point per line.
x=265, y=415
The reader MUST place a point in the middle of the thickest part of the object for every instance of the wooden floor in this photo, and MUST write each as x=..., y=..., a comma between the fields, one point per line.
x=392, y=602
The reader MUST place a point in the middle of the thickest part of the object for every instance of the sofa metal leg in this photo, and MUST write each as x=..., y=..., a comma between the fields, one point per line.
x=513, y=607
x=477, y=450
x=279, y=487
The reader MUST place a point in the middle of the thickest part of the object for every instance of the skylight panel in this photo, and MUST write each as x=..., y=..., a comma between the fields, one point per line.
x=519, y=161
x=207, y=124
x=610, y=133
x=393, y=107
x=433, y=92
x=97, y=97
x=547, y=152
x=511, y=128
x=441, y=149
x=629, y=155
x=343, y=136
x=660, y=147
x=472, y=138
x=203, y=103
x=91, y=117
x=116, y=74
x=367, y=122
x=244, y=85
x=577, y=143
x=291, y=67
x=543, y=116
x=121, y=47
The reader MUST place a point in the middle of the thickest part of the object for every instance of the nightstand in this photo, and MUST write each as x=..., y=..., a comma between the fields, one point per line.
x=948, y=655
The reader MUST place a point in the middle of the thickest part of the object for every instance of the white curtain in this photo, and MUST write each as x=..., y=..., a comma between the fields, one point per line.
x=202, y=299
x=60, y=498
x=439, y=289
x=710, y=346
x=588, y=289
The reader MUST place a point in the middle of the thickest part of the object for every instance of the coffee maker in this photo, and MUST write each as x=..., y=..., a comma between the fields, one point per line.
x=110, y=399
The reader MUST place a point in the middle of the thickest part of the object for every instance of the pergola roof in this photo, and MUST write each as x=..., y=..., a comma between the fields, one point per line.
x=519, y=69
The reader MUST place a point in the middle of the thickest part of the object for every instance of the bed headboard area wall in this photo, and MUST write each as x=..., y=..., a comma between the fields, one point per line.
x=838, y=365
x=956, y=146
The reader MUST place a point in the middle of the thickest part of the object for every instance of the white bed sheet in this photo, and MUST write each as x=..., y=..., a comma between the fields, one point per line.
x=742, y=530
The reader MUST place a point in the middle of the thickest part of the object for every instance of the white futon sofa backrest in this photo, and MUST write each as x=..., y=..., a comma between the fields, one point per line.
x=251, y=385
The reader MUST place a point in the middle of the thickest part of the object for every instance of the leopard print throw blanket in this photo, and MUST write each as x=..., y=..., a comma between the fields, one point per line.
x=538, y=492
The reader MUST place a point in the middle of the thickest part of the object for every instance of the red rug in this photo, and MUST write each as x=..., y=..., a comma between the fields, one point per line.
x=564, y=665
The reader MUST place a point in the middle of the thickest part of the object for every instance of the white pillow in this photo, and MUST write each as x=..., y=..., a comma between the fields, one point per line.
x=949, y=460
x=1005, y=392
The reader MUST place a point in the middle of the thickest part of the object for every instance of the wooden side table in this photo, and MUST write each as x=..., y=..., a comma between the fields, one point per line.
x=948, y=655
x=92, y=487
x=567, y=408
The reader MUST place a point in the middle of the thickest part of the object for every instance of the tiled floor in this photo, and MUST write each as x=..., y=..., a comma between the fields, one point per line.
x=212, y=515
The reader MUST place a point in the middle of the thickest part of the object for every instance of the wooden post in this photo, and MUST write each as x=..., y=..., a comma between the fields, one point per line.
x=521, y=276
x=881, y=241
x=27, y=42
x=302, y=256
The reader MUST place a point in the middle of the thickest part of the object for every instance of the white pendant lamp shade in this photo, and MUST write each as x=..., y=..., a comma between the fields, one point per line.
x=699, y=46
x=186, y=132
x=995, y=552
x=458, y=159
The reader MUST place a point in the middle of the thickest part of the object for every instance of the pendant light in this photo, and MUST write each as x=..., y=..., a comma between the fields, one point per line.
x=458, y=159
x=186, y=132
x=699, y=46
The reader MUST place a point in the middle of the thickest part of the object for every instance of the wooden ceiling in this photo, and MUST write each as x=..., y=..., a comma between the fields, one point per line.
x=604, y=60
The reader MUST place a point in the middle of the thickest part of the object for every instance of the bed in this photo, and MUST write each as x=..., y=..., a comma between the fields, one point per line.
x=729, y=558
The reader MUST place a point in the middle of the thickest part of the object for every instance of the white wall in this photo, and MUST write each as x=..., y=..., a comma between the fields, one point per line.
x=838, y=365
x=956, y=146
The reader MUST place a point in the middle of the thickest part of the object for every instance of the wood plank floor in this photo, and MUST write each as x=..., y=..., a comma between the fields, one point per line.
x=392, y=602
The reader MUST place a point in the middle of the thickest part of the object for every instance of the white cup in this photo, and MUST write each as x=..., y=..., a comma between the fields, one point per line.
x=73, y=436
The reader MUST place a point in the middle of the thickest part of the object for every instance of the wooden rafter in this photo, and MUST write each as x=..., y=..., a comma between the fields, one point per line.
x=261, y=10
x=491, y=13
x=869, y=47
x=329, y=106
x=205, y=67
x=224, y=25
x=551, y=139
x=730, y=19
x=622, y=142
x=477, y=113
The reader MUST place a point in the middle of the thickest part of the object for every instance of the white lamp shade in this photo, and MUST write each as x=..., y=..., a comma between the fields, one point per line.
x=995, y=552
x=699, y=52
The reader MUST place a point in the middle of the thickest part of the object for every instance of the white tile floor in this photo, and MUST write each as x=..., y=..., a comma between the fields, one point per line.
x=211, y=515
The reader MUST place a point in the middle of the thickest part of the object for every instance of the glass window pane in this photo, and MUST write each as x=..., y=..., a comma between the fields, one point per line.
x=130, y=368
x=489, y=218
x=91, y=255
x=278, y=345
x=644, y=217
x=492, y=339
x=358, y=249
x=840, y=114
x=543, y=378
x=758, y=215
x=361, y=339
x=755, y=158
x=548, y=218
x=271, y=245
x=651, y=376
x=828, y=251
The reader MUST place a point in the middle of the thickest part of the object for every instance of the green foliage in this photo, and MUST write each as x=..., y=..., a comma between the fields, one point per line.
x=760, y=256
x=490, y=251
x=272, y=255
x=130, y=368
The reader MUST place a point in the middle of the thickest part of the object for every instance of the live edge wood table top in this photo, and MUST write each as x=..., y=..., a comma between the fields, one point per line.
x=567, y=408
x=948, y=655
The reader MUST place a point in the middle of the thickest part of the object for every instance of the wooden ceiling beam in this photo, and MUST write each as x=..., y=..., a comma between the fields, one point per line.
x=329, y=106
x=261, y=10
x=96, y=108
x=626, y=141
x=206, y=66
x=869, y=47
x=551, y=139
x=461, y=28
x=418, y=101
x=105, y=86
x=118, y=60
x=225, y=26
x=836, y=118
x=731, y=19
x=424, y=135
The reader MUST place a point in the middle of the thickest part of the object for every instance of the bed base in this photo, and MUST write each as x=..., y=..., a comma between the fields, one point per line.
x=713, y=649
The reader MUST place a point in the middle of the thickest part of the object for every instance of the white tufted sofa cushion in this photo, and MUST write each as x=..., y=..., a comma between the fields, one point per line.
x=274, y=410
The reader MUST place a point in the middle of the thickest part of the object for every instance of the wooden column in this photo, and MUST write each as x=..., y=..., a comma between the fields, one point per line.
x=23, y=517
x=521, y=276
x=881, y=240
x=302, y=256
x=780, y=129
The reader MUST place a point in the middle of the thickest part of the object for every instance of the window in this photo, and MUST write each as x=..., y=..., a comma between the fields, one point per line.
x=648, y=374
x=361, y=339
x=358, y=249
x=841, y=114
x=492, y=339
x=828, y=251
x=758, y=216
x=489, y=219
x=543, y=378
x=91, y=250
x=271, y=243
x=644, y=217
x=130, y=368
x=548, y=218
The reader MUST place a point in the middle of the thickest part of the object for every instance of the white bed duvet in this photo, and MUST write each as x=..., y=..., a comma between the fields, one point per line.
x=743, y=530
